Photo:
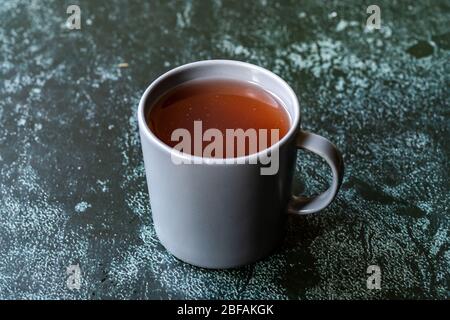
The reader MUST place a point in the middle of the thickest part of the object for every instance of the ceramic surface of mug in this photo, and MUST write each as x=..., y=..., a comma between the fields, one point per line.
x=228, y=212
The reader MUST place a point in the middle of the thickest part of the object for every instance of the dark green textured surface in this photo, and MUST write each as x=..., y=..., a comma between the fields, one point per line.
x=72, y=183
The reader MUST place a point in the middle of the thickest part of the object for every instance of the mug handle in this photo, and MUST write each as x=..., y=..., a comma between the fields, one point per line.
x=328, y=151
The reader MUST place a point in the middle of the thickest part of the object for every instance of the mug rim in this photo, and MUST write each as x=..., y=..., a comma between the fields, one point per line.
x=295, y=124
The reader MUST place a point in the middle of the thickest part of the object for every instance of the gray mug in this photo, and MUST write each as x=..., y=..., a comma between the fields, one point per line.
x=228, y=214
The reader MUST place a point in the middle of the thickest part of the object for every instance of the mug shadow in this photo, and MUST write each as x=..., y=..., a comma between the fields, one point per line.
x=291, y=267
x=300, y=270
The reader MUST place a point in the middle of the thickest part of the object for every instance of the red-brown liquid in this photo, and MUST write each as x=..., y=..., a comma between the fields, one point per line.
x=221, y=104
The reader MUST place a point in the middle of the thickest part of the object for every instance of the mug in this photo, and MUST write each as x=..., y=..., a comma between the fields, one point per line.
x=228, y=214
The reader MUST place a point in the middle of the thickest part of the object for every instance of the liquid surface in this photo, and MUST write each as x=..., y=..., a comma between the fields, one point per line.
x=219, y=104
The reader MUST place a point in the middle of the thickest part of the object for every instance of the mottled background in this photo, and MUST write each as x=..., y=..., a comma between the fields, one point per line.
x=72, y=181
